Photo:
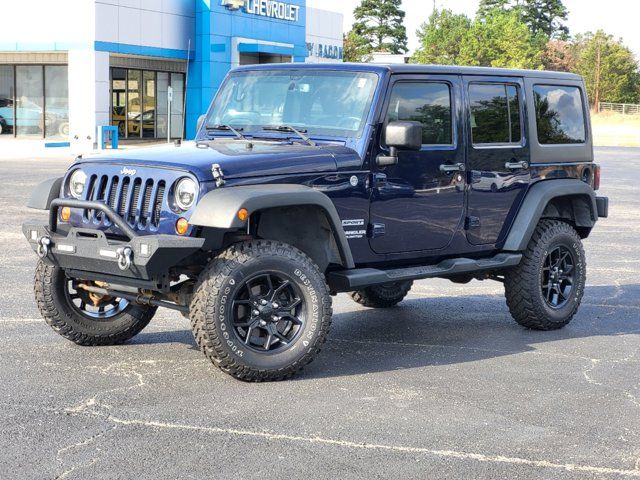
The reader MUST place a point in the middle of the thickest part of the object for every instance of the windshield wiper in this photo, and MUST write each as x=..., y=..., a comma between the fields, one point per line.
x=235, y=131
x=290, y=129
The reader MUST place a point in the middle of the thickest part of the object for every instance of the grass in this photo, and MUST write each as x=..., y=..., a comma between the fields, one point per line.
x=615, y=130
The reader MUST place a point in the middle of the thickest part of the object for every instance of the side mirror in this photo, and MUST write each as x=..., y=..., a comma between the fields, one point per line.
x=201, y=120
x=400, y=136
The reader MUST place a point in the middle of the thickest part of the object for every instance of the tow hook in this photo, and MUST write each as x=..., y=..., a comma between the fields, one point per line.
x=43, y=246
x=124, y=257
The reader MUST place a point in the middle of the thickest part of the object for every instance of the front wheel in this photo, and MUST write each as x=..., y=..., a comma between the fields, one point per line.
x=261, y=311
x=82, y=317
x=545, y=290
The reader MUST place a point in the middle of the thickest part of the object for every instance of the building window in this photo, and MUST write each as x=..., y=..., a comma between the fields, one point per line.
x=495, y=114
x=428, y=103
x=559, y=115
x=56, y=101
x=140, y=104
x=34, y=100
x=7, y=94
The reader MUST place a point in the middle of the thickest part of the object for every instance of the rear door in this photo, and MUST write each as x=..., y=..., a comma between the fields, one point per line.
x=498, y=155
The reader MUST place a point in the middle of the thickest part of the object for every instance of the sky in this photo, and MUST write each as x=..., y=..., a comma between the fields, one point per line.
x=619, y=18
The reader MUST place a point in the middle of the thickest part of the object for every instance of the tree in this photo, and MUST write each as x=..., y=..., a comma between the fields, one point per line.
x=379, y=23
x=355, y=48
x=487, y=6
x=609, y=68
x=441, y=38
x=559, y=55
x=546, y=17
x=543, y=17
x=500, y=39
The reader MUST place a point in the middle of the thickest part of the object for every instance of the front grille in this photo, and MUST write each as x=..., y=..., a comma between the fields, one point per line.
x=137, y=200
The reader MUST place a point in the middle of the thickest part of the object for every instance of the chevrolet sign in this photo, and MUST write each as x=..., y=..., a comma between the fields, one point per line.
x=266, y=8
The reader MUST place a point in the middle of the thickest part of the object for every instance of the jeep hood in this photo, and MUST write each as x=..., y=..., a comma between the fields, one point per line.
x=235, y=159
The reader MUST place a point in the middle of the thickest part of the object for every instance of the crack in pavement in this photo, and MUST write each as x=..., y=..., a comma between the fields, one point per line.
x=450, y=454
x=92, y=407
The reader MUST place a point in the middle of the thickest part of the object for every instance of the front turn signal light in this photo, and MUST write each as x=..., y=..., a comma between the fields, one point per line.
x=182, y=225
x=65, y=214
x=243, y=214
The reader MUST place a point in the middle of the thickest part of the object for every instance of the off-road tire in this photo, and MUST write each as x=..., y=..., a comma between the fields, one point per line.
x=55, y=309
x=523, y=284
x=382, y=296
x=212, y=320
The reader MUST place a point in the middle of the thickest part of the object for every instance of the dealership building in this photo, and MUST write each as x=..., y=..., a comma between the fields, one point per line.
x=148, y=67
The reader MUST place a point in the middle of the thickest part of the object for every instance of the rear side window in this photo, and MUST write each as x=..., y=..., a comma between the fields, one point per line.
x=559, y=115
x=495, y=113
x=428, y=103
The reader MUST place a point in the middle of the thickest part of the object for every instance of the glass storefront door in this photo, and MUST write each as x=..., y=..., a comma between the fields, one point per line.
x=139, y=103
x=119, y=100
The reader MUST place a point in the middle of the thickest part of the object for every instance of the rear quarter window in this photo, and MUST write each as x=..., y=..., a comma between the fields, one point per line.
x=559, y=114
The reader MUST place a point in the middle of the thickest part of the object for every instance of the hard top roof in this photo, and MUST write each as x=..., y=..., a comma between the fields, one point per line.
x=415, y=69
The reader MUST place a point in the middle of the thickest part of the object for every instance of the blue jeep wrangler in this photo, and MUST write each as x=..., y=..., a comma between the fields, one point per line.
x=305, y=181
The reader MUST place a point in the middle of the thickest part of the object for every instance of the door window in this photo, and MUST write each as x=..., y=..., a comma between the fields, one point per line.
x=428, y=103
x=495, y=114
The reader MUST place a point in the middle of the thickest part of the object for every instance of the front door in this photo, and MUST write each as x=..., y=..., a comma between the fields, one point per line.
x=417, y=205
x=498, y=155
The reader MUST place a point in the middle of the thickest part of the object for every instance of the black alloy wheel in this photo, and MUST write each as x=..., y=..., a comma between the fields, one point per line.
x=268, y=312
x=557, y=277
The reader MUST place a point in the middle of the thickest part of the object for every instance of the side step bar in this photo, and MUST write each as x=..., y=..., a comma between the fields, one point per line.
x=349, y=280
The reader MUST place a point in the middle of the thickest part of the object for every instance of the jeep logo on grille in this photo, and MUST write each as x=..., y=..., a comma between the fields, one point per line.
x=128, y=171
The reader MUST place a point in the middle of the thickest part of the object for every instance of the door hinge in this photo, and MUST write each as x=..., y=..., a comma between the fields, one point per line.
x=376, y=230
x=471, y=222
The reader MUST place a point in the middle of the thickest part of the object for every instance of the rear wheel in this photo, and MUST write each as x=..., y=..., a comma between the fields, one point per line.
x=84, y=318
x=545, y=290
x=382, y=296
x=261, y=311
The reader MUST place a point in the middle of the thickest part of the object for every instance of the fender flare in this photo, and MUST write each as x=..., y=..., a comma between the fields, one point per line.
x=219, y=207
x=45, y=193
x=535, y=202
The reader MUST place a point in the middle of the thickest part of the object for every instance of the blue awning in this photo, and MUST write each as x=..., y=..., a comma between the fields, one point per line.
x=265, y=48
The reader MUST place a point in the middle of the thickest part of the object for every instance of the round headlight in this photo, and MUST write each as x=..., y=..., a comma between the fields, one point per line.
x=77, y=183
x=185, y=193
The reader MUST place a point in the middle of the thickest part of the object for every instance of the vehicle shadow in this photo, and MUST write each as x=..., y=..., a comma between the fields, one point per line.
x=445, y=330
x=424, y=332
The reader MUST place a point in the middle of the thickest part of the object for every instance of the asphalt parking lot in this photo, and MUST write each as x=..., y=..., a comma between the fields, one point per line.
x=444, y=386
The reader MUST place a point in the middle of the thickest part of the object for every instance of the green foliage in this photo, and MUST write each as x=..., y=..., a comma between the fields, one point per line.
x=543, y=17
x=546, y=17
x=356, y=48
x=379, y=26
x=441, y=38
x=499, y=39
x=609, y=68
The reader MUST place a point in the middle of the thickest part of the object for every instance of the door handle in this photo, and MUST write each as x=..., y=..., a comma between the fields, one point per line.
x=456, y=167
x=523, y=165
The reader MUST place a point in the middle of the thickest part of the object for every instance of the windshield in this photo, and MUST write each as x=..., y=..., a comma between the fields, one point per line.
x=318, y=103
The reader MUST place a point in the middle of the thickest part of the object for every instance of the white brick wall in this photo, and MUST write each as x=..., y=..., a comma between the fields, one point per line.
x=150, y=23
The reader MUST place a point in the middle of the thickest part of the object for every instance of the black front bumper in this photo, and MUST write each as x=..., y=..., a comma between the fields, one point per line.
x=89, y=250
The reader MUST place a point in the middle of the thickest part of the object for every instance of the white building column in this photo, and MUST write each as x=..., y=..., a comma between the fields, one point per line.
x=88, y=97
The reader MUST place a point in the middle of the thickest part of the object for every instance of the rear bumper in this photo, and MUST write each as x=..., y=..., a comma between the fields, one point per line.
x=87, y=250
x=603, y=207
